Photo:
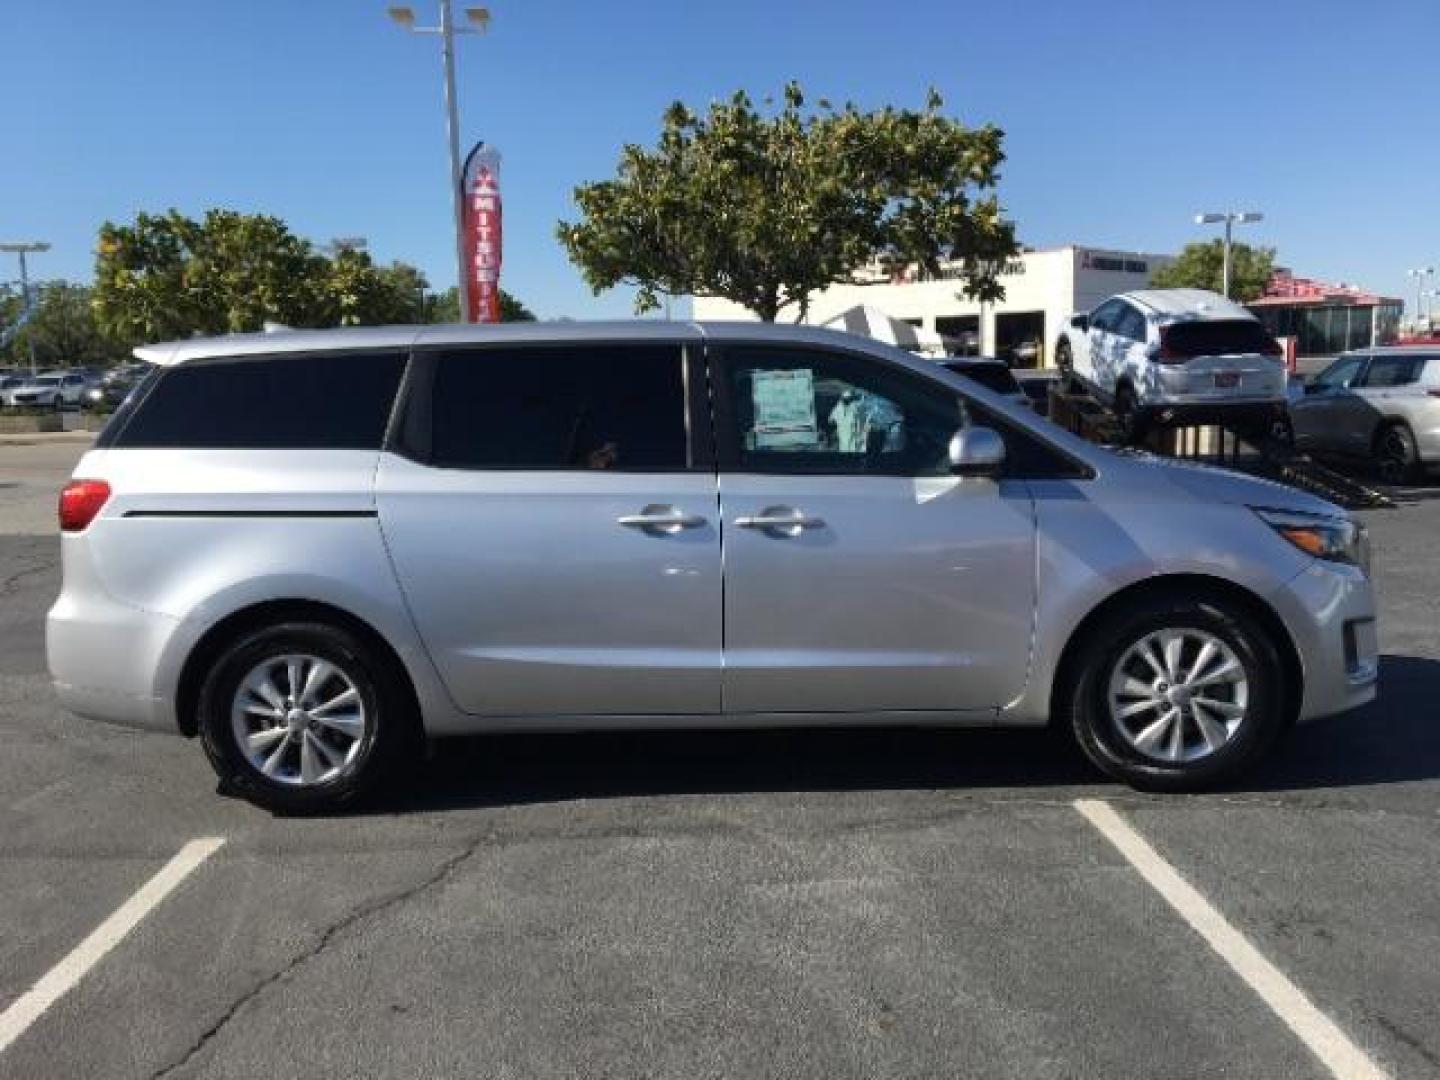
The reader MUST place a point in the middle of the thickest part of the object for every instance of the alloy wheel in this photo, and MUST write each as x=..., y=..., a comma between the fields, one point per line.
x=1178, y=695
x=299, y=720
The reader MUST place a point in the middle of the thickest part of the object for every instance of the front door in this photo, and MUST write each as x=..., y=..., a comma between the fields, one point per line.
x=860, y=576
x=1331, y=416
x=554, y=532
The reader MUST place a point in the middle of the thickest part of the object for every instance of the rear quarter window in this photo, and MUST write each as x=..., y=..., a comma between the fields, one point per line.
x=332, y=401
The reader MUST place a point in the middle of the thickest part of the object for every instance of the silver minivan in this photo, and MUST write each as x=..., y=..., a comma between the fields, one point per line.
x=316, y=549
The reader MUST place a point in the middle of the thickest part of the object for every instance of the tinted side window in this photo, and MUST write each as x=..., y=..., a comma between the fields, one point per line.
x=1341, y=374
x=804, y=411
x=1105, y=316
x=335, y=401
x=560, y=407
x=1131, y=324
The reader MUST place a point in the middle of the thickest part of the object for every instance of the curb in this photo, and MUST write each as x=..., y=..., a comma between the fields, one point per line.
x=36, y=438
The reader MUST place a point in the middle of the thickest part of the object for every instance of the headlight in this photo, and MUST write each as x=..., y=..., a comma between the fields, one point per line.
x=1335, y=539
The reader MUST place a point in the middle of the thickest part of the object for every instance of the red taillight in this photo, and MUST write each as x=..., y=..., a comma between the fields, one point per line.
x=80, y=501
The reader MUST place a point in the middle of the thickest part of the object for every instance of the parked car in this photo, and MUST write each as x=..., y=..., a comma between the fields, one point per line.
x=1176, y=356
x=52, y=390
x=1026, y=353
x=991, y=373
x=1379, y=405
x=313, y=549
x=9, y=383
x=112, y=388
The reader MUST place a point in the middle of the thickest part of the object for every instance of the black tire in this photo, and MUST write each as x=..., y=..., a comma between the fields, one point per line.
x=1396, y=453
x=1085, y=703
x=389, y=740
x=1134, y=424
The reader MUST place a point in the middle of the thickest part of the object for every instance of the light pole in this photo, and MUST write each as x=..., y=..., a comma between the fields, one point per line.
x=345, y=243
x=1231, y=218
x=21, y=249
x=1419, y=274
x=479, y=20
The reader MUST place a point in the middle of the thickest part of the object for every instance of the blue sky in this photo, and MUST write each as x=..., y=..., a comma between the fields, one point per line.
x=1122, y=118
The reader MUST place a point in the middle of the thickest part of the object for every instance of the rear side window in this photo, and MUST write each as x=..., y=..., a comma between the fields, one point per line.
x=1393, y=371
x=593, y=407
x=1219, y=337
x=334, y=401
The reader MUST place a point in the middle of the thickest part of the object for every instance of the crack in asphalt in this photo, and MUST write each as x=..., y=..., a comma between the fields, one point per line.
x=437, y=877
x=8, y=583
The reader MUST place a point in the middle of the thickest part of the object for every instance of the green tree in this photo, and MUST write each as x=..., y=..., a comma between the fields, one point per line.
x=765, y=210
x=62, y=331
x=1201, y=266
x=169, y=276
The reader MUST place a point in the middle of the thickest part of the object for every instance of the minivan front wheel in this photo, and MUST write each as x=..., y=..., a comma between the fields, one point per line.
x=301, y=717
x=1177, y=696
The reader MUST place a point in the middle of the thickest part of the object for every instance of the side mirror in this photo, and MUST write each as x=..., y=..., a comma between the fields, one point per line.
x=1080, y=322
x=977, y=451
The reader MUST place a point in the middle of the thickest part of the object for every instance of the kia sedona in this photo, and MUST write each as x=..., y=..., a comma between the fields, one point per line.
x=315, y=550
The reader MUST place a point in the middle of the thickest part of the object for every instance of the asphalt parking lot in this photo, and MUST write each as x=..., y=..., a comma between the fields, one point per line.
x=815, y=904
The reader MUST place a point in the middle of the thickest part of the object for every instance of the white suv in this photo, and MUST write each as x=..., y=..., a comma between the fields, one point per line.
x=1176, y=356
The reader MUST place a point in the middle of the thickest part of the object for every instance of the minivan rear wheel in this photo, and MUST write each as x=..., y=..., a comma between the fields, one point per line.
x=1178, y=695
x=302, y=717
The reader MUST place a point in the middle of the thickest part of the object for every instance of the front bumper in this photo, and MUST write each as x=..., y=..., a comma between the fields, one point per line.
x=1330, y=611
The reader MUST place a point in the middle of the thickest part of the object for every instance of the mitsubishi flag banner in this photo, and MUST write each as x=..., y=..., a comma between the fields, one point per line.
x=480, y=186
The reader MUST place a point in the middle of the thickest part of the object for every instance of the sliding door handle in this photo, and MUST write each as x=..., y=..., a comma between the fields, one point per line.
x=662, y=520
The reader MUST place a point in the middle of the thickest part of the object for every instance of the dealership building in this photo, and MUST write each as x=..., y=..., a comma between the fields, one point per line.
x=1042, y=290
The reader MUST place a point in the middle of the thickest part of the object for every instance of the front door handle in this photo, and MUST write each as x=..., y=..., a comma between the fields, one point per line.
x=661, y=520
x=781, y=520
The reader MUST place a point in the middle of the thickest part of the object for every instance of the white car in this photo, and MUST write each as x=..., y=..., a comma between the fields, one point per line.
x=1176, y=356
x=53, y=390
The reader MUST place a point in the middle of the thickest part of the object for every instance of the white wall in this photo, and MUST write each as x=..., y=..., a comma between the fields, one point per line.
x=1056, y=281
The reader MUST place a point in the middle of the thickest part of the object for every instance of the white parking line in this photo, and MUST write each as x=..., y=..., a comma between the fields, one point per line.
x=1316, y=1030
x=56, y=982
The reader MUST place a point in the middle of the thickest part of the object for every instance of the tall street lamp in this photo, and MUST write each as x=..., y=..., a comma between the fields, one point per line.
x=478, y=19
x=22, y=249
x=1419, y=274
x=1231, y=218
x=340, y=244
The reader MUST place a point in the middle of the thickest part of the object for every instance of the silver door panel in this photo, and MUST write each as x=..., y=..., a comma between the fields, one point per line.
x=542, y=593
x=902, y=594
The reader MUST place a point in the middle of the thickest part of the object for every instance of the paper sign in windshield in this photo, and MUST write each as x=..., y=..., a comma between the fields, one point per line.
x=784, y=408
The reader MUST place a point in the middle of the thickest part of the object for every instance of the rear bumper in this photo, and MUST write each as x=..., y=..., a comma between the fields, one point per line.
x=107, y=660
x=1330, y=611
x=1243, y=412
